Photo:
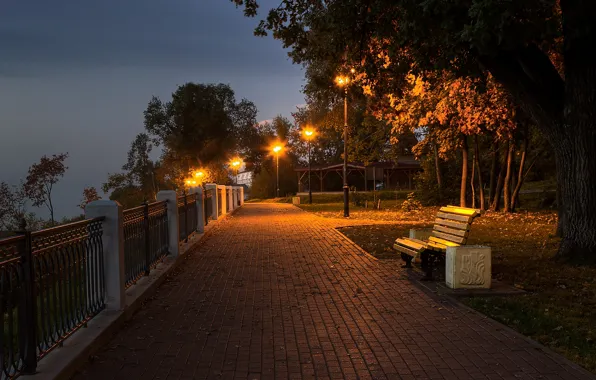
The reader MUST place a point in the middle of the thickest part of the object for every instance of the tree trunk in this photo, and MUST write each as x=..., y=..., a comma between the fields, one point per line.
x=565, y=111
x=496, y=201
x=480, y=183
x=464, y=171
x=507, y=184
x=520, y=174
x=493, y=171
x=438, y=168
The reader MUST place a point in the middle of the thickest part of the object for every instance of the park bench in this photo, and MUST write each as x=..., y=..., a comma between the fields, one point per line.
x=451, y=229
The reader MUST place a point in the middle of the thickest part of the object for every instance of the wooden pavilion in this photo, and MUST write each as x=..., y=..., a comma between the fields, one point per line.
x=387, y=175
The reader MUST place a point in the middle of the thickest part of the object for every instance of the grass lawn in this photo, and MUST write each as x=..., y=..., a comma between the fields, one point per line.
x=559, y=308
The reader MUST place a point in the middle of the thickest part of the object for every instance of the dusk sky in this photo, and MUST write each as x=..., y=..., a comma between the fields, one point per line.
x=75, y=76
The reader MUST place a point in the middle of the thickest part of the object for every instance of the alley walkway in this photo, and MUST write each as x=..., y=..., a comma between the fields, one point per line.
x=277, y=293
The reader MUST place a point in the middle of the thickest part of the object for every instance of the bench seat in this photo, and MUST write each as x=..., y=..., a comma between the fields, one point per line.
x=451, y=229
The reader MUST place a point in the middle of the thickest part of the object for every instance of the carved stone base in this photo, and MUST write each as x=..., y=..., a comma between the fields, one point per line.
x=420, y=234
x=468, y=267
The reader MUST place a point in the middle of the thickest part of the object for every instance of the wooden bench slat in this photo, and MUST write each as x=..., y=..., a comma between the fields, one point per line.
x=477, y=210
x=411, y=244
x=449, y=237
x=418, y=241
x=443, y=241
x=451, y=231
x=459, y=211
x=452, y=224
x=437, y=247
x=458, y=218
x=407, y=251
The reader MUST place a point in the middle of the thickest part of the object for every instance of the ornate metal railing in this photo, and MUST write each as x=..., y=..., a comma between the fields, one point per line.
x=11, y=306
x=51, y=284
x=207, y=206
x=145, y=239
x=187, y=216
x=220, y=195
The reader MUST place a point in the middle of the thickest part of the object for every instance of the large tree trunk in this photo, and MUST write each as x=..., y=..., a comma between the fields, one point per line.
x=438, y=168
x=507, y=184
x=464, y=172
x=520, y=173
x=480, y=183
x=496, y=201
x=493, y=171
x=565, y=111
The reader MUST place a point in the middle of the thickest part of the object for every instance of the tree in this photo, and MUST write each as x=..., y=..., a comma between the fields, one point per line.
x=89, y=195
x=41, y=180
x=202, y=124
x=12, y=206
x=539, y=50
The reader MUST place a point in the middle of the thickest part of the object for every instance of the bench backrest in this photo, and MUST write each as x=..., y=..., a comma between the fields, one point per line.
x=452, y=225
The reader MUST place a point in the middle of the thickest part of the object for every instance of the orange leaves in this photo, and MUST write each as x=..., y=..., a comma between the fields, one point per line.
x=446, y=106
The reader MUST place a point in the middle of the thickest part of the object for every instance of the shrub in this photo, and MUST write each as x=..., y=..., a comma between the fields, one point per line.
x=411, y=203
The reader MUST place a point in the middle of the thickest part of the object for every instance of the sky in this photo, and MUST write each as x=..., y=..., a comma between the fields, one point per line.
x=76, y=76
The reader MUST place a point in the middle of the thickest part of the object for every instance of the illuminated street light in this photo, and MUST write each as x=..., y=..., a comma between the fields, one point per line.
x=309, y=134
x=235, y=166
x=276, y=150
x=199, y=174
x=344, y=81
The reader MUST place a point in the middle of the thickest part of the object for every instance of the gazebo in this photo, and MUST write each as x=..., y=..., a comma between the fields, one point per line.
x=396, y=175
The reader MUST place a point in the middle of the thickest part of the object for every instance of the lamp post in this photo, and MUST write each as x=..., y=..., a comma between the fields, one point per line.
x=276, y=150
x=343, y=81
x=235, y=167
x=309, y=135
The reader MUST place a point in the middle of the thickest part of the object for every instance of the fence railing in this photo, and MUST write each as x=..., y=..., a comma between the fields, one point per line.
x=207, y=206
x=53, y=281
x=145, y=239
x=187, y=216
x=51, y=284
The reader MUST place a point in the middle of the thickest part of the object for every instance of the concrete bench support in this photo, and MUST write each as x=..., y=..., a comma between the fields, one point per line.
x=468, y=267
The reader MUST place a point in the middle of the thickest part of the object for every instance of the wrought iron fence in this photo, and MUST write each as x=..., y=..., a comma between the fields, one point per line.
x=51, y=284
x=187, y=216
x=207, y=206
x=145, y=239
x=220, y=195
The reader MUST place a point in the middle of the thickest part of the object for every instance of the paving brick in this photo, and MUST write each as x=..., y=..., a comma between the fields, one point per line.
x=278, y=293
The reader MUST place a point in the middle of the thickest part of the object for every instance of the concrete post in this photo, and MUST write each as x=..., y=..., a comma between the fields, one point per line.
x=172, y=198
x=230, y=200
x=113, y=250
x=224, y=199
x=200, y=212
x=213, y=188
x=242, y=196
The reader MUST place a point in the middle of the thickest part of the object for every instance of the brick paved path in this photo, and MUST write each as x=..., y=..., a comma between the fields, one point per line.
x=277, y=293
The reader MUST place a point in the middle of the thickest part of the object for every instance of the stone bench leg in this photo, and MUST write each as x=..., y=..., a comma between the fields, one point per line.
x=468, y=267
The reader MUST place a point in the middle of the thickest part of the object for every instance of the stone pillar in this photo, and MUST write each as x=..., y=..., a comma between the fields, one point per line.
x=113, y=250
x=224, y=200
x=213, y=188
x=200, y=212
x=229, y=200
x=172, y=198
x=242, y=196
x=235, y=192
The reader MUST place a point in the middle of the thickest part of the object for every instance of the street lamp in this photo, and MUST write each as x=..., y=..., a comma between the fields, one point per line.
x=276, y=150
x=235, y=166
x=344, y=81
x=309, y=134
